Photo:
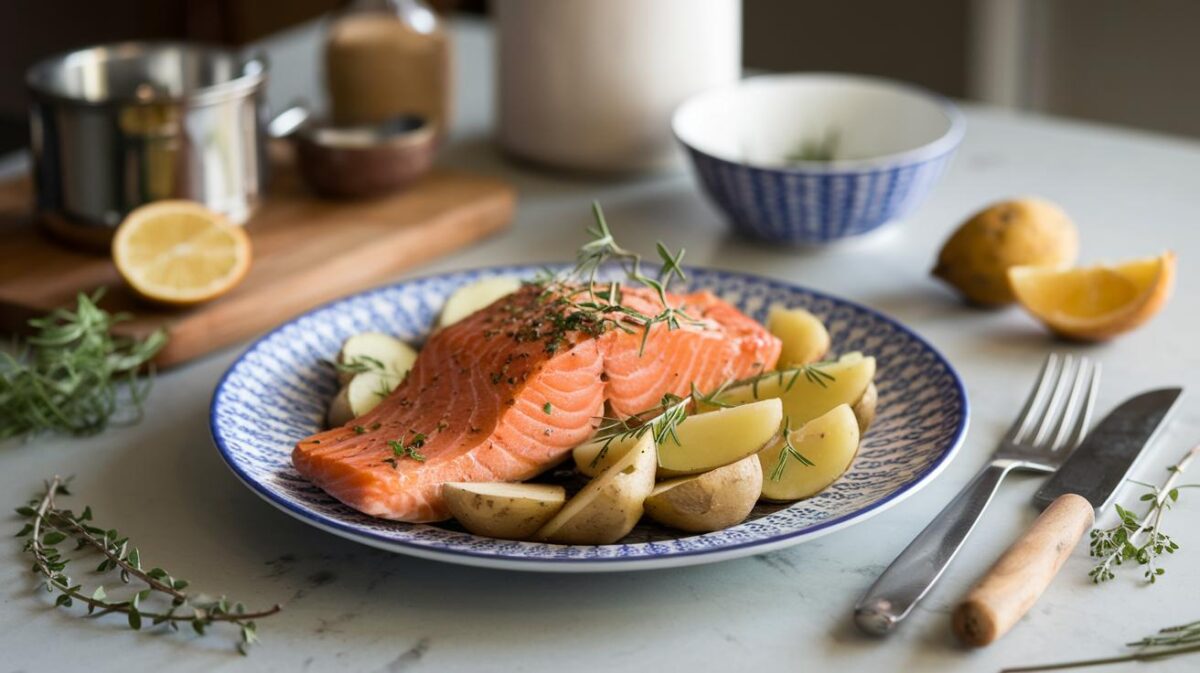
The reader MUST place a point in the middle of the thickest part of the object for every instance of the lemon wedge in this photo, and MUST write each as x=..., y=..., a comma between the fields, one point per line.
x=180, y=253
x=1098, y=302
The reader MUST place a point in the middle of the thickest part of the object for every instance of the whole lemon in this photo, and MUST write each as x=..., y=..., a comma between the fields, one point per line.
x=1021, y=232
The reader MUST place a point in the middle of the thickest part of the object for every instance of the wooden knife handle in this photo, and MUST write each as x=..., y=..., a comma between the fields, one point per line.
x=1016, y=581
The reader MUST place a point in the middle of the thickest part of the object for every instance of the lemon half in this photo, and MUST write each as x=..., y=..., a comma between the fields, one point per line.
x=180, y=253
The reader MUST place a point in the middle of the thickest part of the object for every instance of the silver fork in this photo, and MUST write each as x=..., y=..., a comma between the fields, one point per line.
x=1051, y=424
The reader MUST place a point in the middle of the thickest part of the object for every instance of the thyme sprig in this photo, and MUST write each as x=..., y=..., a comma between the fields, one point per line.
x=586, y=302
x=73, y=375
x=47, y=526
x=1169, y=642
x=1140, y=538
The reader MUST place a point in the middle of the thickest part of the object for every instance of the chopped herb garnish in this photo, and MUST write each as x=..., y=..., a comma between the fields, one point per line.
x=409, y=449
x=360, y=430
x=547, y=408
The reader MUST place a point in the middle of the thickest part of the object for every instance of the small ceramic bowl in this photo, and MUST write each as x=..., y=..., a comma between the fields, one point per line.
x=364, y=161
x=813, y=158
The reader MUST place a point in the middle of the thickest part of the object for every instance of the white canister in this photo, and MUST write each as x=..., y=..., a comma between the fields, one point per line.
x=591, y=84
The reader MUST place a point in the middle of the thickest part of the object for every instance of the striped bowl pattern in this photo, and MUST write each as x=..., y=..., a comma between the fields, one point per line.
x=278, y=391
x=798, y=206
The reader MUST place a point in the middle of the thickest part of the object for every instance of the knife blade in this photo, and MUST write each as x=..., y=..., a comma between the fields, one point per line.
x=1098, y=467
x=1086, y=483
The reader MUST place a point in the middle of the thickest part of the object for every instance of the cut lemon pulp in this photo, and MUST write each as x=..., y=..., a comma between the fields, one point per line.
x=1098, y=302
x=180, y=253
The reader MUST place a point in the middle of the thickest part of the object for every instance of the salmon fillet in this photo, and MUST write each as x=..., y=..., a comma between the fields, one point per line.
x=507, y=392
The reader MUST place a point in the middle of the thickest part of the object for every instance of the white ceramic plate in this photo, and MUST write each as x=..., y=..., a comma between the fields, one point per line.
x=277, y=392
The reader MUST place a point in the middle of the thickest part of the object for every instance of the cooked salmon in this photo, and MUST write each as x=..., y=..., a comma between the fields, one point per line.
x=507, y=393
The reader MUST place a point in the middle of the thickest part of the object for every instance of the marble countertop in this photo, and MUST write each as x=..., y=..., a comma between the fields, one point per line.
x=349, y=607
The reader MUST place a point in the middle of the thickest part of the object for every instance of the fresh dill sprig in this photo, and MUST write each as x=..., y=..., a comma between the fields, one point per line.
x=47, y=526
x=787, y=450
x=74, y=375
x=1169, y=642
x=1140, y=539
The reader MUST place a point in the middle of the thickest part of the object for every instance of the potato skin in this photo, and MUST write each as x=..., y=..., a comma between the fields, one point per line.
x=864, y=408
x=976, y=258
x=504, y=517
x=708, y=502
x=610, y=505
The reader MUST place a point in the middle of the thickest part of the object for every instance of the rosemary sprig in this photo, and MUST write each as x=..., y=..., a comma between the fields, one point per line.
x=68, y=376
x=359, y=364
x=1140, y=539
x=1169, y=642
x=47, y=526
x=787, y=450
x=672, y=410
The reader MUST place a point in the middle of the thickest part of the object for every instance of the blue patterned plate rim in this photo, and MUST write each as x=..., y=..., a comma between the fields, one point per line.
x=756, y=545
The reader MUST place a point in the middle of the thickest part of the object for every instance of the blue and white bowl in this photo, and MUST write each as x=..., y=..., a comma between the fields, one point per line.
x=891, y=142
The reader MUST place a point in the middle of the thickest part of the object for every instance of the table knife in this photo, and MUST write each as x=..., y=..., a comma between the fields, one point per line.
x=1073, y=497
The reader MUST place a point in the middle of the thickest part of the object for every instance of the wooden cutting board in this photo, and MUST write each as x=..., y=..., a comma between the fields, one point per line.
x=306, y=252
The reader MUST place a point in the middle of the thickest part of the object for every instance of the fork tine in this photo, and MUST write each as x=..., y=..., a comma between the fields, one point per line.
x=1077, y=410
x=1033, y=403
x=1089, y=403
x=1056, y=407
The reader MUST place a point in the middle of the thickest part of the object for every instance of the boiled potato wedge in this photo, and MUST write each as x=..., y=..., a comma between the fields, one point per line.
x=361, y=395
x=610, y=505
x=501, y=510
x=829, y=441
x=804, y=337
x=710, y=440
x=813, y=392
x=471, y=297
x=590, y=462
x=706, y=502
x=375, y=351
x=864, y=408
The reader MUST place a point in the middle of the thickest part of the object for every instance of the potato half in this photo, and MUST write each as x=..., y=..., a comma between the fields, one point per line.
x=807, y=394
x=706, y=502
x=501, y=510
x=592, y=458
x=610, y=505
x=803, y=335
x=710, y=440
x=864, y=408
x=829, y=441
x=361, y=395
x=376, y=351
x=471, y=297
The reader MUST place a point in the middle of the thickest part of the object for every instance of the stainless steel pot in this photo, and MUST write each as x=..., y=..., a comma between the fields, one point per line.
x=116, y=126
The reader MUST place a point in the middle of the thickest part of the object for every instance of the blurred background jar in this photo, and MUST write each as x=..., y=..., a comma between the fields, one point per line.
x=385, y=58
x=590, y=84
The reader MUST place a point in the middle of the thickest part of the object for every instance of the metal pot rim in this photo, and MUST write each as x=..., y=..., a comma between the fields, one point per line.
x=252, y=78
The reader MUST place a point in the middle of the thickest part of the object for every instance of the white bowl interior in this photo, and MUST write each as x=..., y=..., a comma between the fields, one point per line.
x=767, y=121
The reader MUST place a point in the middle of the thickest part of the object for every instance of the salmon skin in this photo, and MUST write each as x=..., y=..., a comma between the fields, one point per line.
x=507, y=392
